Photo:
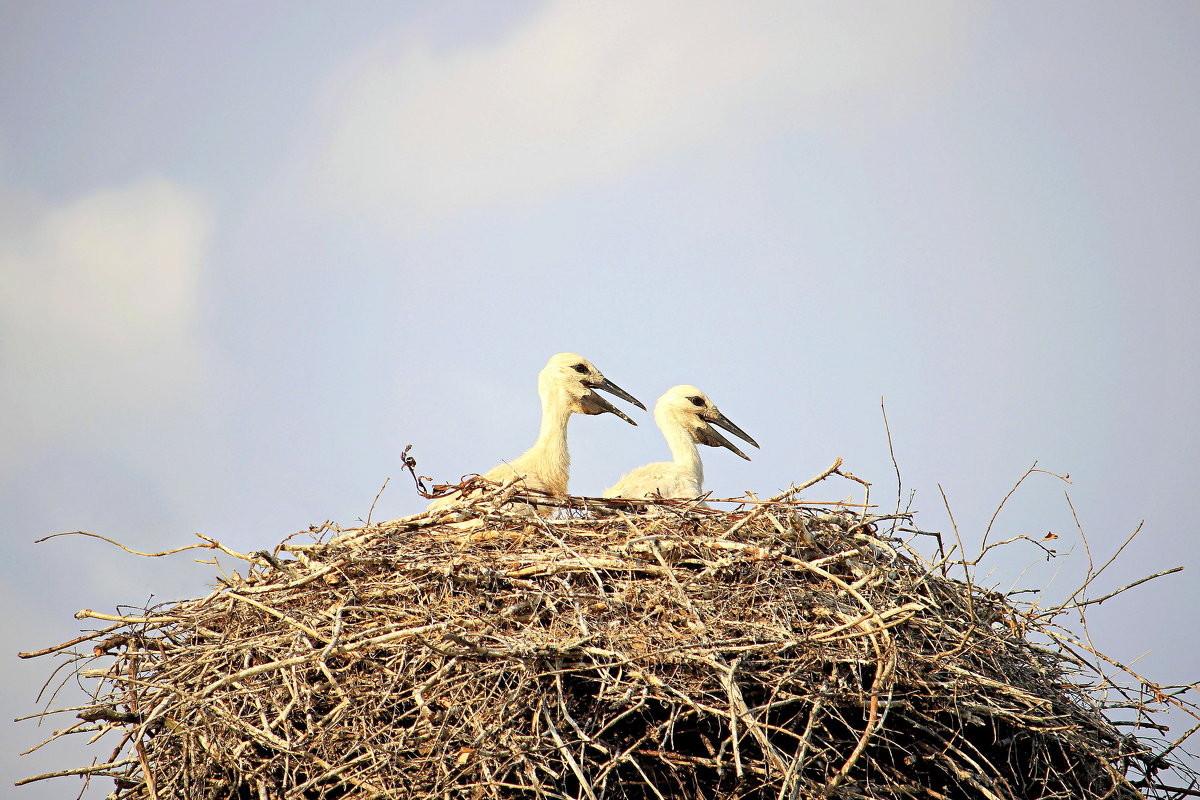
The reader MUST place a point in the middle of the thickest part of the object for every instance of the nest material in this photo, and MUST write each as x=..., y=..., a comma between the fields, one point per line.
x=774, y=651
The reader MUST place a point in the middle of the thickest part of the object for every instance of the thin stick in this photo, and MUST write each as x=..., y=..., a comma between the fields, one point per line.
x=832, y=468
x=72, y=642
x=961, y=549
x=123, y=547
x=376, y=500
x=76, y=771
x=1139, y=582
x=892, y=453
x=1012, y=491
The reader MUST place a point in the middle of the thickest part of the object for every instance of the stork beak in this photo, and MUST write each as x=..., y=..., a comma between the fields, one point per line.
x=610, y=387
x=592, y=403
x=723, y=421
x=707, y=435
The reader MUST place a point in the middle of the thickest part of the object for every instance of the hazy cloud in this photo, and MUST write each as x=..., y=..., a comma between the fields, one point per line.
x=98, y=301
x=581, y=91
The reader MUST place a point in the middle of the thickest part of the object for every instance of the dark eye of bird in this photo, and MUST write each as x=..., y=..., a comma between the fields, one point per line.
x=696, y=401
x=581, y=369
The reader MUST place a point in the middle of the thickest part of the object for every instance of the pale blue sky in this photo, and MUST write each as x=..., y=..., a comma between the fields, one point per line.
x=249, y=253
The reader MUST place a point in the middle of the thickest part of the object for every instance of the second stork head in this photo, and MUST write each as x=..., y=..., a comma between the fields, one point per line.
x=687, y=407
x=575, y=379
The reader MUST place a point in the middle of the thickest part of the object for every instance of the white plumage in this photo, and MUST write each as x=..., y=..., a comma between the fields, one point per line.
x=565, y=386
x=683, y=414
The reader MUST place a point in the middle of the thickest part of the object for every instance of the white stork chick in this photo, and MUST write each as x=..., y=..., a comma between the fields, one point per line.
x=683, y=414
x=565, y=386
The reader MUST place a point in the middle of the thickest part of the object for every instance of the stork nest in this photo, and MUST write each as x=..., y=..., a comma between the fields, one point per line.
x=651, y=650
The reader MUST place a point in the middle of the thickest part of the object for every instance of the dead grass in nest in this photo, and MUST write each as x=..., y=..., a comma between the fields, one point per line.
x=777, y=650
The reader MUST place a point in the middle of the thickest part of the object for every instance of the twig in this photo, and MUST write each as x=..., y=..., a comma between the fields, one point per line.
x=56, y=648
x=123, y=547
x=1113, y=594
x=378, y=495
x=76, y=771
x=1012, y=491
x=892, y=453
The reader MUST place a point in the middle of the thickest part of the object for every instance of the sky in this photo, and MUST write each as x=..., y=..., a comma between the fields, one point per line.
x=249, y=252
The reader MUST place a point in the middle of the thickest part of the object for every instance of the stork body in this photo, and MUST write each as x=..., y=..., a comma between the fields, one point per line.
x=565, y=386
x=683, y=414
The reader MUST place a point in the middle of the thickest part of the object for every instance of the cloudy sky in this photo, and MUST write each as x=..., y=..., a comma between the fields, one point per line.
x=248, y=252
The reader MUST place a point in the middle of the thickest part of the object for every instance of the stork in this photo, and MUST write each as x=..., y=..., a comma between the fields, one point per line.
x=566, y=386
x=683, y=414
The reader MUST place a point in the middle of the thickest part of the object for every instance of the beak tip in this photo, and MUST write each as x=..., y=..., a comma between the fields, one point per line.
x=608, y=386
x=724, y=422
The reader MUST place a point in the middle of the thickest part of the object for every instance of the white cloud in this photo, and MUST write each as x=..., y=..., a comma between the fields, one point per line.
x=581, y=91
x=98, y=303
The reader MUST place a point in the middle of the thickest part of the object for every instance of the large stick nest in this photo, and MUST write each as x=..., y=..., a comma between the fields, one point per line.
x=779, y=650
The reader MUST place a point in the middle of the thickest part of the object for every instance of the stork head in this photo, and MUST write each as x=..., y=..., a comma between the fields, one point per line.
x=689, y=407
x=574, y=377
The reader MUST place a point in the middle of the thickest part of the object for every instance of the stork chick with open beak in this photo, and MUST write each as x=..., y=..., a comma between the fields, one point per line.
x=686, y=417
x=566, y=386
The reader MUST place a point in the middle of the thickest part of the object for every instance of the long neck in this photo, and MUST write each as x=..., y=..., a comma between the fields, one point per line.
x=683, y=448
x=549, y=457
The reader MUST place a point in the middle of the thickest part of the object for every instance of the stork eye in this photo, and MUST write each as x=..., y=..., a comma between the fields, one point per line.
x=696, y=401
x=580, y=368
